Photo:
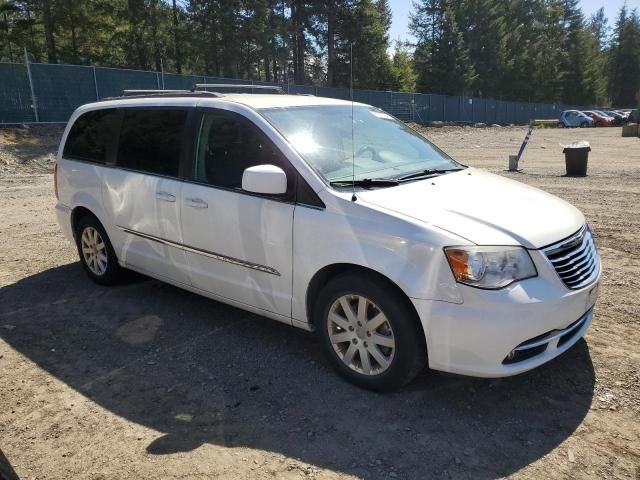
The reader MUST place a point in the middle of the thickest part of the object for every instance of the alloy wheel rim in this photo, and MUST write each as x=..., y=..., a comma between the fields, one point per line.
x=94, y=251
x=361, y=335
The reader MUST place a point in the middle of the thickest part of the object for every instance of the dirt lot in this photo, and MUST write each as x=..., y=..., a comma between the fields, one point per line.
x=148, y=381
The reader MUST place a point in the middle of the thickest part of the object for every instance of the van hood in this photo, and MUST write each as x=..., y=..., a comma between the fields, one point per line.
x=483, y=208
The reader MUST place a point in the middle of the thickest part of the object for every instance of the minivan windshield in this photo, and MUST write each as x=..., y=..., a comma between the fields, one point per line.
x=378, y=148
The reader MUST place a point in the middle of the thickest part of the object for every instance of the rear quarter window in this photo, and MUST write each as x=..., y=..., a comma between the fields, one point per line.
x=92, y=136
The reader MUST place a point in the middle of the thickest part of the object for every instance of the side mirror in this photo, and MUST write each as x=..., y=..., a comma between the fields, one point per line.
x=264, y=179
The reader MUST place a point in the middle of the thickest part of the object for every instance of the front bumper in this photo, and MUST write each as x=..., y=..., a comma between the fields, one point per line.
x=478, y=336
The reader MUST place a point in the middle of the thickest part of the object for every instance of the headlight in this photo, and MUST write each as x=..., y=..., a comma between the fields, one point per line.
x=490, y=267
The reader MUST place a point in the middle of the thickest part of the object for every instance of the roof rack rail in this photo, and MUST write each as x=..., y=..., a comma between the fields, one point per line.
x=161, y=93
x=129, y=92
x=277, y=88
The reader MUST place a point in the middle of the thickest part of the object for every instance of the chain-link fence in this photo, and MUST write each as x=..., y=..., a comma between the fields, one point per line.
x=50, y=93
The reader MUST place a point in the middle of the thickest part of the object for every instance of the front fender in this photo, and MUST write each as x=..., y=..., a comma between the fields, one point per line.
x=405, y=251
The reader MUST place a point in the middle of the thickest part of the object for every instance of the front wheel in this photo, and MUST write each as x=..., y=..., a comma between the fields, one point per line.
x=584, y=124
x=369, y=332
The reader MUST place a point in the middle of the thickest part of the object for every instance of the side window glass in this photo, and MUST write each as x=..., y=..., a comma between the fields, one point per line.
x=92, y=136
x=228, y=143
x=151, y=140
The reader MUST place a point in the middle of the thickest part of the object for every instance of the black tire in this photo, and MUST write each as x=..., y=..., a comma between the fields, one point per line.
x=113, y=273
x=410, y=355
x=584, y=124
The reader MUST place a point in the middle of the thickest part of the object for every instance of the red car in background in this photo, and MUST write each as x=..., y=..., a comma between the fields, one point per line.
x=598, y=119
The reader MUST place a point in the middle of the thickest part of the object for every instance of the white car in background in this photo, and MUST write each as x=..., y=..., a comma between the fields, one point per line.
x=575, y=118
x=356, y=228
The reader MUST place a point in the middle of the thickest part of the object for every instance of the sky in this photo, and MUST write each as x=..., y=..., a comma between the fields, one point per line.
x=402, y=8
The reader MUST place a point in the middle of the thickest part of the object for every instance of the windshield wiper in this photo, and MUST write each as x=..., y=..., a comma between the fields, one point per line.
x=366, y=182
x=425, y=173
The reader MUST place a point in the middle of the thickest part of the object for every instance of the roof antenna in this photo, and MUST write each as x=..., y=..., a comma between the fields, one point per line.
x=353, y=145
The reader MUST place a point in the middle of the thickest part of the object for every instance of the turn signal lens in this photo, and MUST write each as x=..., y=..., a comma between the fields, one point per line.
x=489, y=267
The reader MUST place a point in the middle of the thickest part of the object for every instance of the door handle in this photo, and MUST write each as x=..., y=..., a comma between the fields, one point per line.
x=165, y=197
x=196, y=203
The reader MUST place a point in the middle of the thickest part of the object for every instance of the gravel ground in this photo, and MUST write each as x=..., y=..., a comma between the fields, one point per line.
x=147, y=381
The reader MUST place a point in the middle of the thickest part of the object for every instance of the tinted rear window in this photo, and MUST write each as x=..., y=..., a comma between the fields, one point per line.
x=151, y=140
x=92, y=136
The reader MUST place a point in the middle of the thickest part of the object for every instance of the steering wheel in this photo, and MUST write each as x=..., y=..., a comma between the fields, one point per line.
x=374, y=155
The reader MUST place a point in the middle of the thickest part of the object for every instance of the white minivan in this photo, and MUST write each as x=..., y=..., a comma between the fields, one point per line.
x=332, y=217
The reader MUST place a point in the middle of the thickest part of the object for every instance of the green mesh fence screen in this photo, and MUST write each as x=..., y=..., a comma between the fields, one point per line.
x=15, y=97
x=60, y=89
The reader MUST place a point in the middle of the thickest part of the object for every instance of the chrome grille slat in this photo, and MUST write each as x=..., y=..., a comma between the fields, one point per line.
x=569, y=259
x=579, y=266
x=575, y=259
x=572, y=272
x=578, y=263
x=581, y=275
x=575, y=251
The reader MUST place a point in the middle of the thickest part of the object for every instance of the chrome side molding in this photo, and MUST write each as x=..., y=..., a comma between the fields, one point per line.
x=205, y=253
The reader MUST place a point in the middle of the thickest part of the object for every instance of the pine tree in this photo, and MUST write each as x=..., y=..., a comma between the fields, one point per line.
x=595, y=79
x=404, y=76
x=624, y=84
x=529, y=50
x=574, y=80
x=364, y=27
x=599, y=28
x=482, y=25
x=442, y=58
x=8, y=11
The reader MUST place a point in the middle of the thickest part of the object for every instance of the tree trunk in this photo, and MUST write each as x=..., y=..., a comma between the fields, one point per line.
x=176, y=39
x=6, y=24
x=331, y=45
x=248, y=61
x=154, y=35
x=299, y=43
x=275, y=70
x=32, y=42
x=267, y=68
x=48, y=32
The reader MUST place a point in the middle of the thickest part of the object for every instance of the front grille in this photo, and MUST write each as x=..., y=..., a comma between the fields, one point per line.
x=575, y=259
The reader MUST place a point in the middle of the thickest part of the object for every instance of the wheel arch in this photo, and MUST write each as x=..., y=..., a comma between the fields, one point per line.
x=81, y=211
x=77, y=214
x=328, y=272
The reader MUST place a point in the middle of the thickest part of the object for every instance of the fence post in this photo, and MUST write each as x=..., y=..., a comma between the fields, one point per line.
x=412, y=104
x=34, y=101
x=162, y=70
x=95, y=83
x=157, y=80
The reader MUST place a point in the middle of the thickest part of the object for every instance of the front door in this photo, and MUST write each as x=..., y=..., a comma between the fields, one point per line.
x=238, y=245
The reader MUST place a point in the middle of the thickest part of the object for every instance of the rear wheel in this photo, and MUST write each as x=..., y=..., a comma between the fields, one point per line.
x=96, y=253
x=369, y=332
